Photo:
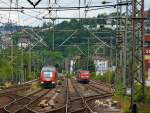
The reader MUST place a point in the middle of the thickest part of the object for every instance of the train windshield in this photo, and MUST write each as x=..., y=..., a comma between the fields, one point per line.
x=47, y=74
x=48, y=71
x=84, y=72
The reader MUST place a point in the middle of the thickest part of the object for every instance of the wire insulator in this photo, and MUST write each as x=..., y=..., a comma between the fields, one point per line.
x=34, y=5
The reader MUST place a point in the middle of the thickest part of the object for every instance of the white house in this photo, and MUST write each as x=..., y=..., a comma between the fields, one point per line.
x=101, y=66
x=23, y=42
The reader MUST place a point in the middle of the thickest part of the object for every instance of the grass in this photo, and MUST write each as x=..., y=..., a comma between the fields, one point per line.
x=144, y=108
x=35, y=85
x=124, y=102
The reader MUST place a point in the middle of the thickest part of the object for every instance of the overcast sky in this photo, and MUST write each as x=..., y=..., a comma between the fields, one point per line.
x=28, y=17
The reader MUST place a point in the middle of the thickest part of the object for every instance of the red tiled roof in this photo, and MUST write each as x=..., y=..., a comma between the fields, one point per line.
x=147, y=37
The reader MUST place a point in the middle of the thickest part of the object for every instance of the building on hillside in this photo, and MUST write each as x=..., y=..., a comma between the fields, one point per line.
x=110, y=23
x=23, y=42
x=146, y=21
x=147, y=52
x=147, y=57
x=6, y=41
x=101, y=65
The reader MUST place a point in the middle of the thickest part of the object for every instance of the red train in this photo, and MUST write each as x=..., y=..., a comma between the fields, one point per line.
x=48, y=77
x=83, y=76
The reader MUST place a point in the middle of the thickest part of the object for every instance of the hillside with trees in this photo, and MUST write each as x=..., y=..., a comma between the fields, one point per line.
x=27, y=62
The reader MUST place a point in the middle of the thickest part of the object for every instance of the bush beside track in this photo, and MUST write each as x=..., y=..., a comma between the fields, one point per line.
x=108, y=77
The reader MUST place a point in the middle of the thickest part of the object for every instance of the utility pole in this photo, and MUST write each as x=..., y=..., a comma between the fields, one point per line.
x=118, y=44
x=122, y=32
x=88, y=53
x=3, y=71
x=29, y=63
x=53, y=40
x=22, y=65
x=137, y=69
x=125, y=48
x=3, y=66
x=111, y=52
x=12, y=73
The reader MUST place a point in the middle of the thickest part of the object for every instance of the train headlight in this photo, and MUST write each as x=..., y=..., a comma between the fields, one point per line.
x=53, y=82
x=42, y=82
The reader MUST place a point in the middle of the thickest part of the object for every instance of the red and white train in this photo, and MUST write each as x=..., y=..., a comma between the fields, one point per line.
x=48, y=76
x=83, y=76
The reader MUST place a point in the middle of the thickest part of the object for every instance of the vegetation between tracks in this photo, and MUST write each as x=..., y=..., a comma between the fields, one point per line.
x=106, y=77
x=119, y=94
x=125, y=104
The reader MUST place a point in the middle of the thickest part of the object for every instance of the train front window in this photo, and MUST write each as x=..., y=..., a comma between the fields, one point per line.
x=45, y=69
x=47, y=74
x=85, y=72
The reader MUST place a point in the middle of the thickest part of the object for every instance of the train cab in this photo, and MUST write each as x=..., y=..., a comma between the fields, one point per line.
x=48, y=76
x=83, y=76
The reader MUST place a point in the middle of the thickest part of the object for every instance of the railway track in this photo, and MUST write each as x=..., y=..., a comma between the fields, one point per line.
x=14, y=90
x=4, y=100
x=101, y=83
x=49, y=102
x=18, y=104
x=35, y=97
x=74, y=100
x=103, y=102
x=101, y=88
x=10, y=95
x=83, y=104
x=17, y=88
x=78, y=105
x=33, y=106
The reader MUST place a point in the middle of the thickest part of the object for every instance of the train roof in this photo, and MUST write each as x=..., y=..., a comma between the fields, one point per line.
x=80, y=70
x=48, y=68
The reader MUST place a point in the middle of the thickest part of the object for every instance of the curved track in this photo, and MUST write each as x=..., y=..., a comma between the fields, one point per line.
x=33, y=106
x=20, y=103
x=74, y=100
x=84, y=105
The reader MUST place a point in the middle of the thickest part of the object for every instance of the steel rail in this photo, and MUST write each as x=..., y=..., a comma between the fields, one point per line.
x=67, y=96
x=101, y=83
x=101, y=89
x=83, y=99
x=62, y=108
x=17, y=100
x=17, y=87
x=27, y=106
x=2, y=106
x=25, y=83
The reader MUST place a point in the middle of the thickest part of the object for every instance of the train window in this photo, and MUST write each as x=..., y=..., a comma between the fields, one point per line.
x=85, y=72
x=146, y=44
x=47, y=74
